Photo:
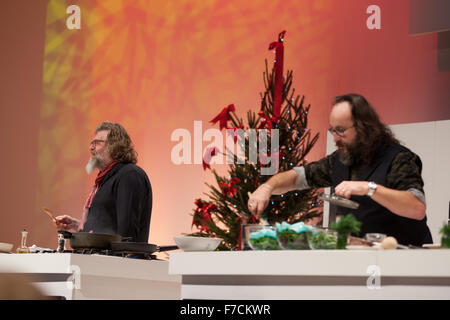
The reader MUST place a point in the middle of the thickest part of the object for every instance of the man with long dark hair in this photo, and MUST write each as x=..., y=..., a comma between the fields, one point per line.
x=121, y=200
x=369, y=167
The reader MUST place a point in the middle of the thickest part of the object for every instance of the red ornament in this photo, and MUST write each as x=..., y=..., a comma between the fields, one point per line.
x=278, y=89
x=223, y=117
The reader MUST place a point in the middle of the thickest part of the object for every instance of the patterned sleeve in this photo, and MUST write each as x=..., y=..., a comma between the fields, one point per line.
x=318, y=173
x=405, y=174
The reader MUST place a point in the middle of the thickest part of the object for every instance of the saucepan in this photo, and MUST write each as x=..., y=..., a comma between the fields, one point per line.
x=90, y=240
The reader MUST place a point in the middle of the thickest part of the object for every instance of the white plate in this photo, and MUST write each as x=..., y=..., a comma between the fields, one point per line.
x=189, y=243
x=432, y=245
x=5, y=247
x=361, y=248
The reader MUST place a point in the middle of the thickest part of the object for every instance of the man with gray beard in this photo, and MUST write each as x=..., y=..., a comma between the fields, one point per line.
x=369, y=167
x=121, y=199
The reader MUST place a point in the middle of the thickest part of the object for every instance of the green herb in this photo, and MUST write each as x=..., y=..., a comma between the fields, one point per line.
x=290, y=239
x=445, y=240
x=264, y=243
x=322, y=240
x=345, y=226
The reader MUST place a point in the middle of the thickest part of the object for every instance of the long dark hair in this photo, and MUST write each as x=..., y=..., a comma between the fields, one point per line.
x=372, y=134
x=118, y=142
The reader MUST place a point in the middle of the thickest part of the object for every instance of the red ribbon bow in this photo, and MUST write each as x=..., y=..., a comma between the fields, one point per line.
x=266, y=120
x=228, y=188
x=202, y=215
x=278, y=88
x=223, y=117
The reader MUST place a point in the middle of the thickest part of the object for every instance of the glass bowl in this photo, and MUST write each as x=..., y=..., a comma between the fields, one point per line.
x=320, y=239
x=375, y=237
x=291, y=240
x=261, y=237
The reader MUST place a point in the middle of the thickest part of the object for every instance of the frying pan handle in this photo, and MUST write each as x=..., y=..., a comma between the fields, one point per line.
x=127, y=239
x=167, y=248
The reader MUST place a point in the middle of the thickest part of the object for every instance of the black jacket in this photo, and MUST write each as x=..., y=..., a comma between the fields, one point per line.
x=123, y=204
x=374, y=217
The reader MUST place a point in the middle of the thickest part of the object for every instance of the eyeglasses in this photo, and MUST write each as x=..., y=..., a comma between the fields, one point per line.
x=95, y=142
x=339, y=131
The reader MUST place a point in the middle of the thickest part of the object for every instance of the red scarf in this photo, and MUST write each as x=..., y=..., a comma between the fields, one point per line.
x=98, y=182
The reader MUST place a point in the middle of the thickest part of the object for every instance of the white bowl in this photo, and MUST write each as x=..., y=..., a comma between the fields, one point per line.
x=189, y=243
x=5, y=247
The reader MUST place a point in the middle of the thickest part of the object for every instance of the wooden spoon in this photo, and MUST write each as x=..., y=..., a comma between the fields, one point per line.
x=49, y=213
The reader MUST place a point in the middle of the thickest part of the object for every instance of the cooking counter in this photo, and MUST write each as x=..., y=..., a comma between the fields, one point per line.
x=77, y=276
x=315, y=274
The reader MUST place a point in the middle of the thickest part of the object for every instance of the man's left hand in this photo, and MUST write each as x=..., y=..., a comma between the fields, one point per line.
x=348, y=188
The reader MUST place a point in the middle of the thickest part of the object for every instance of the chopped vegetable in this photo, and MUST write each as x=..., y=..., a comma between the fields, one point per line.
x=264, y=243
x=290, y=239
x=322, y=240
x=345, y=226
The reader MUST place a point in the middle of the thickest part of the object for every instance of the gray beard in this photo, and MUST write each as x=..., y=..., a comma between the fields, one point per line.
x=351, y=156
x=346, y=158
x=91, y=165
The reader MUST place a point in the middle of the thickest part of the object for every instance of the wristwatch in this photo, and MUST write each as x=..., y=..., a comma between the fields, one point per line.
x=372, y=188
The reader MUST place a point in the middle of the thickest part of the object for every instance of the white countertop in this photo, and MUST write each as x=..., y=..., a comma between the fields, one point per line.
x=314, y=274
x=95, y=276
x=417, y=262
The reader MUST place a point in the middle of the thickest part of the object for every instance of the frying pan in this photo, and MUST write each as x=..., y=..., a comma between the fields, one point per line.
x=140, y=247
x=88, y=240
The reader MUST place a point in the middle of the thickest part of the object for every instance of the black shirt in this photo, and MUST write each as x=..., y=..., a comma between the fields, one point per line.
x=123, y=204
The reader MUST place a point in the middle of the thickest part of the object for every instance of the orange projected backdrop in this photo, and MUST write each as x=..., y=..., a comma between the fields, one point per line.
x=156, y=66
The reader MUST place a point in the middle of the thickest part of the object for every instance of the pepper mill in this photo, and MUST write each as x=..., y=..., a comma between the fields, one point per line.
x=61, y=242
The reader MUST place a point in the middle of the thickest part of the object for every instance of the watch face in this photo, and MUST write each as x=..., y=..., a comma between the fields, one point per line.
x=372, y=188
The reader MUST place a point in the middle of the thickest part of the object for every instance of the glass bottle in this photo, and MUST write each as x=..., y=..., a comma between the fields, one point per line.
x=23, y=243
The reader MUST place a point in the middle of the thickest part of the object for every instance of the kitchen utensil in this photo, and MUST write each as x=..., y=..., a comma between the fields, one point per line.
x=89, y=240
x=49, y=213
x=339, y=201
x=355, y=241
x=350, y=247
x=140, y=247
x=189, y=243
x=375, y=237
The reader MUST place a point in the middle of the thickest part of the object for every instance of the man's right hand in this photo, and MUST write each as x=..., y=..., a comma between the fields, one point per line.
x=66, y=223
x=259, y=199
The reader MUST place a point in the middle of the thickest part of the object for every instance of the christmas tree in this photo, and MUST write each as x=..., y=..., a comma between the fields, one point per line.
x=281, y=109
